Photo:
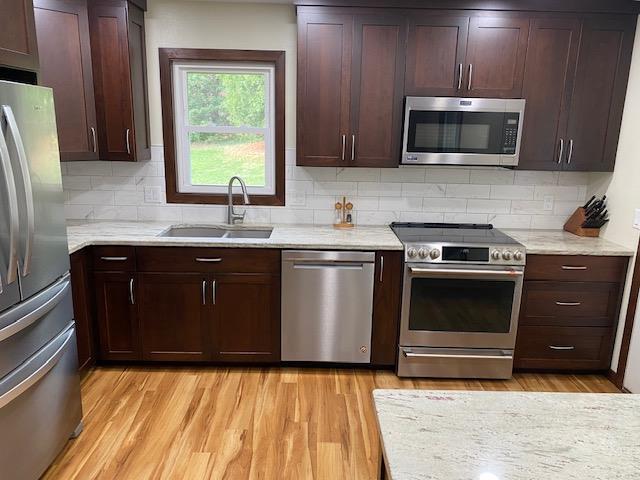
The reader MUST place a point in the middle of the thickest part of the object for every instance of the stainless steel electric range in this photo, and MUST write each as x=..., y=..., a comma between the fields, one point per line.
x=460, y=302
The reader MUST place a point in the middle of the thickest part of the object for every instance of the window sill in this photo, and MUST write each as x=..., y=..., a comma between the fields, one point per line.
x=222, y=199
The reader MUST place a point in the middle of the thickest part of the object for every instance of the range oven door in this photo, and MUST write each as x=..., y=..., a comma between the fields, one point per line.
x=472, y=307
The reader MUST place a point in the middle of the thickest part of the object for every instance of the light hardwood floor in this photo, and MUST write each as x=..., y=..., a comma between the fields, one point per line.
x=240, y=423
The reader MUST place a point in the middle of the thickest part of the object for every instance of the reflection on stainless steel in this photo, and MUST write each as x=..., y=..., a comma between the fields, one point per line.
x=327, y=306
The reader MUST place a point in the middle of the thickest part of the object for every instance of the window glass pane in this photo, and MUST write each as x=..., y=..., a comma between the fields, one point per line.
x=226, y=99
x=216, y=157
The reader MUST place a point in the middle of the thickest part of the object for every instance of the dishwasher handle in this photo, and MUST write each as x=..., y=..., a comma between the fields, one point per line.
x=327, y=257
x=327, y=265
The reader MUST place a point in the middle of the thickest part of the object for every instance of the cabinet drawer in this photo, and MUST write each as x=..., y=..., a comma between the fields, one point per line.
x=580, y=348
x=114, y=259
x=575, y=268
x=569, y=303
x=222, y=260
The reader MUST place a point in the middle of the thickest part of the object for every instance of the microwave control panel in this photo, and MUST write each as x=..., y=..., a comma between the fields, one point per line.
x=510, y=133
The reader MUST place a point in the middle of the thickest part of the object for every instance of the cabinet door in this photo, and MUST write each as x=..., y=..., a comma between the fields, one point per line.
x=599, y=92
x=117, y=315
x=436, y=55
x=496, y=53
x=548, y=82
x=18, y=45
x=324, y=88
x=82, y=309
x=140, y=96
x=377, y=91
x=173, y=317
x=246, y=326
x=386, y=308
x=65, y=66
x=111, y=72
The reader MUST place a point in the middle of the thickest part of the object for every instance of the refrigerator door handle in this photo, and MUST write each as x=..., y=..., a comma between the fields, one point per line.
x=5, y=165
x=32, y=317
x=39, y=374
x=28, y=189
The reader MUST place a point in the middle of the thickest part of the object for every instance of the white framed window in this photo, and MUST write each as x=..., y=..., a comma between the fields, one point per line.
x=224, y=121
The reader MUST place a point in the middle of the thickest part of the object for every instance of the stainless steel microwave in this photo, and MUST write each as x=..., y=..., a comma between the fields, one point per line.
x=462, y=131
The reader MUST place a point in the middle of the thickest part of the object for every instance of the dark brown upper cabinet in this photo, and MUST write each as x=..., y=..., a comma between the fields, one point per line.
x=466, y=56
x=350, y=88
x=18, y=44
x=65, y=66
x=119, y=73
x=575, y=85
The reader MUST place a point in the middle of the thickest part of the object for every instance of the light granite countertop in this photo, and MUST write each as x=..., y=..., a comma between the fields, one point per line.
x=435, y=435
x=550, y=242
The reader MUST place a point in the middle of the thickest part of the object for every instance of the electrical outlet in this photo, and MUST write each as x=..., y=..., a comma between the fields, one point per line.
x=548, y=203
x=636, y=221
x=152, y=194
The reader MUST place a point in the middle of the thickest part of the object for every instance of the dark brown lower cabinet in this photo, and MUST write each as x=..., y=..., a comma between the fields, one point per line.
x=82, y=292
x=387, y=294
x=246, y=317
x=117, y=315
x=174, y=317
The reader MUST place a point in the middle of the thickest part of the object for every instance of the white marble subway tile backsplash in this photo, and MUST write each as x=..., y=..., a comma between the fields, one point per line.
x=506, y=198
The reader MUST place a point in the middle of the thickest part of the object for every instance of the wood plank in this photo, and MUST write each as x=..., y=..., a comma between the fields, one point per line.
x=231, y=423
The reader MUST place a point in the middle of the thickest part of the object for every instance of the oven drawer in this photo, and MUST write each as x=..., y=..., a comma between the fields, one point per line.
x=560, y=348
x=575, y=268
x=569, y=303
x=455, y=363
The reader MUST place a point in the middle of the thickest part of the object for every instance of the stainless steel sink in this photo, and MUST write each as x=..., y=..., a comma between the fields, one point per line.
x=216, y=232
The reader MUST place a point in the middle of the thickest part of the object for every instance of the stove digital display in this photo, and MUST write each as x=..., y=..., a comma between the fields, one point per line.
x=465, y=254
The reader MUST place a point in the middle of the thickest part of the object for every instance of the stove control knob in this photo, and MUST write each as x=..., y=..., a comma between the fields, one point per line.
x=411, y=253
x=507, y=255
x=434, y=254
x=423, y=253
x=519, y=256
x=496, y=255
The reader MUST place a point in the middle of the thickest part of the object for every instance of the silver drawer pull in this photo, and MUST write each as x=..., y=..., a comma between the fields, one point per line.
x=569, y=267
x=555, y=347
x=114, y=259
x=568, y=304
x=208, y=260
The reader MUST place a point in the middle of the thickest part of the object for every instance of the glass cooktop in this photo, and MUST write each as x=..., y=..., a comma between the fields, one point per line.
x=457, y=233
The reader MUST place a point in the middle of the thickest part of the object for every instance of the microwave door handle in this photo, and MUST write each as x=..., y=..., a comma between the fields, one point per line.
x=433, y=273
x=14, y=226
x=28, y=188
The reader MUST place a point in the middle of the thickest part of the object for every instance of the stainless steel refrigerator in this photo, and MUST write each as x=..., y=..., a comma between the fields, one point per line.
x=39, y=385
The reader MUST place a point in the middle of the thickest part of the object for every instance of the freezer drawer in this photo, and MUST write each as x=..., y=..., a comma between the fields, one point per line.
x=327, y=306
x=39, y=409
x=30, y=325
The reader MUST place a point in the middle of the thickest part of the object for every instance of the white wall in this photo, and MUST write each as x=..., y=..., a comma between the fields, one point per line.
x=623, y=187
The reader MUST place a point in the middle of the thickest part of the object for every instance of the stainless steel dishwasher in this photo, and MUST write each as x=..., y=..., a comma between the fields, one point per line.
x=327, y=306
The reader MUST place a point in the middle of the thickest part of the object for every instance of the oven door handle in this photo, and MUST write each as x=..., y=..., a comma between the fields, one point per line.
x=458, y=273
x=453, y=355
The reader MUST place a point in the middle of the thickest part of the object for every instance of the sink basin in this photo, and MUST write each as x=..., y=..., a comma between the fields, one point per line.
x=215, y=232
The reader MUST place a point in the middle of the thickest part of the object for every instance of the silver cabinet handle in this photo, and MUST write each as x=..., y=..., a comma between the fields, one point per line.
x=470, y=84
x=555, y=347
x=561, y=152
x=213, y=292
x=569, y=267
x=208, y=260
x=460, y=356
x=344, y=146
x=568, y=304
x=460, y=74
x=204, y=292
x=14, y=226
x=570, y=156
x=28, y=189
x=114, y=259
x=381, y=268
x=127, y=135
x=38, y=375
x=132, y=298
x=94, y=139
x=353, y=147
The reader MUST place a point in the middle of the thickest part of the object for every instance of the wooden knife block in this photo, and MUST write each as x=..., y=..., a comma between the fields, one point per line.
x=574, y=225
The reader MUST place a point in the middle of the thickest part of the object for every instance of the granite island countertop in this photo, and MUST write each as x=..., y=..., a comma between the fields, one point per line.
x=438, y=435
x=323, y=237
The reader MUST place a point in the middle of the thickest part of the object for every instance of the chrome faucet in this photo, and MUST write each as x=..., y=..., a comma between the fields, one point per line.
x=232, y=216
